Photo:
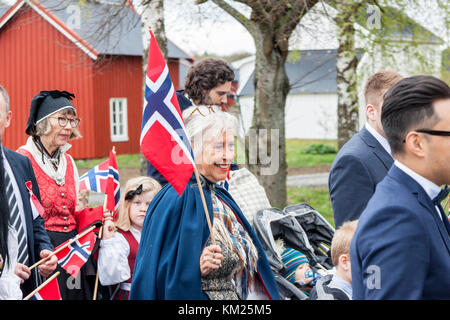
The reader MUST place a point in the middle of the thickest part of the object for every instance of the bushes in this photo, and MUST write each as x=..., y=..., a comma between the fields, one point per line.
x=318, y=148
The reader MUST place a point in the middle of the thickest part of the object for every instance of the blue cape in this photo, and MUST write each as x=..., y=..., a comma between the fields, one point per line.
x=174, y=234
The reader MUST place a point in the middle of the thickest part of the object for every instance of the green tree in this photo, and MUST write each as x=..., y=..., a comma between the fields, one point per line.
x=270, y=23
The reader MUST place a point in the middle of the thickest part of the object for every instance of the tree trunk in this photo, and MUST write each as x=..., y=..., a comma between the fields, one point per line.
x=346, y=65
x=267, y=157
x=152, y=17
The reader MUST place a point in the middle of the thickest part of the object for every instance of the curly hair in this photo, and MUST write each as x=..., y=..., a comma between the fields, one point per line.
x=206, y=75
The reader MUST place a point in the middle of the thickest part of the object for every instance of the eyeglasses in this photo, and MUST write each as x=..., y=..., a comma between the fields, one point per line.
x=62, y=121
x=433, y=133
x=203, y=110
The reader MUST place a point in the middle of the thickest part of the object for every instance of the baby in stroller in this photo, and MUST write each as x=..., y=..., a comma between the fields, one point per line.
x=298, y=271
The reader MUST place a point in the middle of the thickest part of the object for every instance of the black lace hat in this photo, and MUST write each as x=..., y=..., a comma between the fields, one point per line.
x=46, y=103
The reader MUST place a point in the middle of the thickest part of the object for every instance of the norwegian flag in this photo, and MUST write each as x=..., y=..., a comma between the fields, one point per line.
x=36, y=207
x=75, y=255
x=49, y=292
x=104, y=178
x=163, y=137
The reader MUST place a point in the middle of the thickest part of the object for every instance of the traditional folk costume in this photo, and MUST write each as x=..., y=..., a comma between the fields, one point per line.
x=57, y=177
x=116, y=261
x=174, y=234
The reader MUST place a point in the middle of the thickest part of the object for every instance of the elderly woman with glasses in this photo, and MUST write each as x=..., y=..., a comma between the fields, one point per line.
x=52, y=122
x=177, y=258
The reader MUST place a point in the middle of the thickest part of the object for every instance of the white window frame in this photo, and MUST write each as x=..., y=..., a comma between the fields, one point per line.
x=118, y=137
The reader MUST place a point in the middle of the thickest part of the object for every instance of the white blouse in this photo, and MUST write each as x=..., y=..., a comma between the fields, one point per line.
x=113, y=267
x=9, y=282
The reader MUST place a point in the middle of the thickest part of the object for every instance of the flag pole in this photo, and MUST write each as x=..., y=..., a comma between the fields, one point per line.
x=205, y=207
x=63, y=247
x=42, y=285
x=100, y=236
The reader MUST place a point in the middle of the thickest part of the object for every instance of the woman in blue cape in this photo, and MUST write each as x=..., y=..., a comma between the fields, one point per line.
x=176, y=259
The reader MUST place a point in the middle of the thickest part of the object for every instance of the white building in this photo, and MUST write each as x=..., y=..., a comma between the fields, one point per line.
x=311, y=106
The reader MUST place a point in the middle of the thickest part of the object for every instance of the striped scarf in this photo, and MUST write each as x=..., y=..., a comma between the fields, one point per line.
x=231, y=234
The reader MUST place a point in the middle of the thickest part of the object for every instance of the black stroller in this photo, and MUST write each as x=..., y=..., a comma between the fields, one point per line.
x=300, y=227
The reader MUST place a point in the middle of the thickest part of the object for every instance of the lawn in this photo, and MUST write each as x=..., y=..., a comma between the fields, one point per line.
x=295, y=157
x=123, y=161
x=316, y=197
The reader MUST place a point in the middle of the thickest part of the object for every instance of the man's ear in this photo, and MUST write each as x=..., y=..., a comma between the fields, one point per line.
x=371, y=112
x=415, y=144
x=8, y=119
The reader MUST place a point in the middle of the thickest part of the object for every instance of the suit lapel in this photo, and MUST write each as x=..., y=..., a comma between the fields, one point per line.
x=425, y=201
x=377, y=148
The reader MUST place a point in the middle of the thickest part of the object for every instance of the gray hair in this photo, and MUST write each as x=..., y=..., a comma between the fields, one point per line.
x=5, y=96
x=43, y=128
x=204, y=124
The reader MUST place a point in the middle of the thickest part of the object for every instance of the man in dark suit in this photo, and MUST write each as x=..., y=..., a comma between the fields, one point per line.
x=365, y=159
x=33, y=241
x=401, y=247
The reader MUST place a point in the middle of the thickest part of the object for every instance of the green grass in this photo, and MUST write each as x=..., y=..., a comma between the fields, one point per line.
x=295, y=157
x=316, y=197
x=123, y=161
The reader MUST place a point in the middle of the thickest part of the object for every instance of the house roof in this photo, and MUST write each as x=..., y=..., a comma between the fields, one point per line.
x=97, y=28
x=313, y=71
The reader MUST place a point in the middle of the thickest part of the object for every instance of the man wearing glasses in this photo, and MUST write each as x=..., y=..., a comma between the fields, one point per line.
x=401, y=248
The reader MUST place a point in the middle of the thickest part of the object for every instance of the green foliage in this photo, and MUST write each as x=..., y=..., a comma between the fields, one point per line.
x=319, y=148
x=295, y=157
x=123, y=161
x=316, y=197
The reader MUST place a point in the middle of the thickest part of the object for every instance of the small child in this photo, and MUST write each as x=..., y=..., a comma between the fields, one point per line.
x=298, y=271
x=118, y=249
x=338, y=286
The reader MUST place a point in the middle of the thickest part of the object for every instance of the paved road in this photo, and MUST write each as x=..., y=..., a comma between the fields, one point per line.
x=303, y=180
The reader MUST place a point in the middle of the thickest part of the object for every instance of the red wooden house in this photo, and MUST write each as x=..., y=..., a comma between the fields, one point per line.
x=51, y=44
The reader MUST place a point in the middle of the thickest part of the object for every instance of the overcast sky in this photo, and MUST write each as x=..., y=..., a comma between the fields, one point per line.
x=208, y=29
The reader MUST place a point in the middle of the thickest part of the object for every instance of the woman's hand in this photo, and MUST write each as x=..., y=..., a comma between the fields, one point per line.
x=210, y=259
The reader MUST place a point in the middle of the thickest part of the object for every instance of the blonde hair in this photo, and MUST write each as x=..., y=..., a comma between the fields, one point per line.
x=377, y=84
x=148, y=184
x=341, y=240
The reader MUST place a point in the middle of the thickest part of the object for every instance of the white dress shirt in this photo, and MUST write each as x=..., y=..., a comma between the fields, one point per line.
x=382, y=140
x=431, y=189
x=9, y=282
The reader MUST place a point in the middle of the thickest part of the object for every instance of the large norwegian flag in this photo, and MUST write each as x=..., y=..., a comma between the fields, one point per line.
x=163, y=137
x=75, y=255
x=104, y=178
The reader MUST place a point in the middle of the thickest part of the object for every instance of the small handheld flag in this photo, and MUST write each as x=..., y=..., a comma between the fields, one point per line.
x=49, y=290
x=73, y=256
x=104, y=178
